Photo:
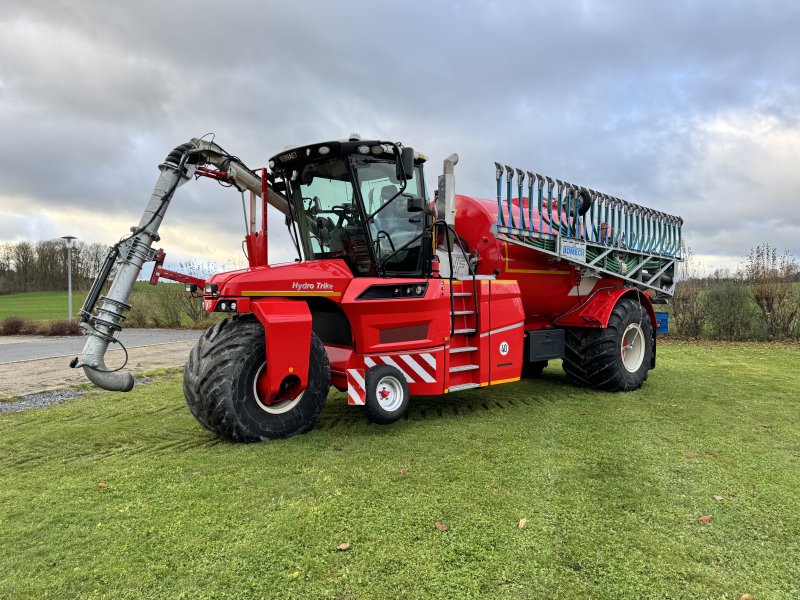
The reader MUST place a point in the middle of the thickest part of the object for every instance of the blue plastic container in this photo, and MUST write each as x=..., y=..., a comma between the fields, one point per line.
x=662, y=319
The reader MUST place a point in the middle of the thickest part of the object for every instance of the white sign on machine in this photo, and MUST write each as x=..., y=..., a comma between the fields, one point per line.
x=573, y=250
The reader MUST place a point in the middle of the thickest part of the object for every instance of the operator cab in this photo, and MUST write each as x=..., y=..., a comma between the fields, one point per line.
x=359, y=201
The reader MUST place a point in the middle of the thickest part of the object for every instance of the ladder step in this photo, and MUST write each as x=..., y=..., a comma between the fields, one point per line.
x=460, y=313
x=463, y=386
x=459, y=331
x=462, y=294
x=464, y=368
x=463, y=349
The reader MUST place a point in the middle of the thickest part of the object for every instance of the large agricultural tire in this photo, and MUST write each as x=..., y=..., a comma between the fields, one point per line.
x=219, y=385
x=615, y=359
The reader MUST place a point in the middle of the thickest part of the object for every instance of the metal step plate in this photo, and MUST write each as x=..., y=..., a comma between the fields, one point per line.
x=463, y=386
x=464, y=368
x=463, y=349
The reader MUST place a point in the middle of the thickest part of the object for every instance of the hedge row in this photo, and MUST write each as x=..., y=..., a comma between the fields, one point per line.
x=22, y=326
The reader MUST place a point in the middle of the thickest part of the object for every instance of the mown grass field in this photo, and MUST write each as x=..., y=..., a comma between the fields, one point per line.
x=125, y=496
x=147, y=300
x=40, y=306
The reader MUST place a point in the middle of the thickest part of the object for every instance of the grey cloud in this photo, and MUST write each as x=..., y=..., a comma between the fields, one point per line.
x=611, y=95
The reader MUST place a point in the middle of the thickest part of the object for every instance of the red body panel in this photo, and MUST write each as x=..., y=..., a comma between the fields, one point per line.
x=479, y=341
x=596, y=309
x=284, y=320
x=320, y=278
x=506, y=320
x=339, y=358
x=498, y=343
x=388, y=325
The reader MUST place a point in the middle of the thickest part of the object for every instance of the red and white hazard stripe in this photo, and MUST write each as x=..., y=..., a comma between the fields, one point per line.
x=356, y=391
x=414, y=367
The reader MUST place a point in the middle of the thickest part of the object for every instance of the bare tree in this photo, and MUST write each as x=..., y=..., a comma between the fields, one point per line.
x=771, y=276
x=687, y=308
x=49, y=271
x=24, y=259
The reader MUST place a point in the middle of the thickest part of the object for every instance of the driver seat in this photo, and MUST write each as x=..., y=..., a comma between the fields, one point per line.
x=387, y=192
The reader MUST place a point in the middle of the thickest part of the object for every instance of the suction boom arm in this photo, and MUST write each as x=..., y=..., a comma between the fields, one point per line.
x=102, y=316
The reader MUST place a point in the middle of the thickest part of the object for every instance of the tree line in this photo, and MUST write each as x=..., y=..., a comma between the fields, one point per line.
x=42, y=266
x=758, y=301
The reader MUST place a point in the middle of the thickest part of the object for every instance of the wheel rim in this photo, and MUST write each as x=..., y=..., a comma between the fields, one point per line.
x=275, y=408
x=389, y=393
x=632, y=348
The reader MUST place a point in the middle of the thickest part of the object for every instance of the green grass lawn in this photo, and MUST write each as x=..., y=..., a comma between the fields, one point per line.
x=146, y=299
x=611, y=486
x=40, y=306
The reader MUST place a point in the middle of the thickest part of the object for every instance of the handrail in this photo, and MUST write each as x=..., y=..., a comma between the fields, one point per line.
x=448, y=228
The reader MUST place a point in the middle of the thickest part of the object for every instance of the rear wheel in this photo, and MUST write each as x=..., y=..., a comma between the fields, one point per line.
x=616, y=358
x=220, y=385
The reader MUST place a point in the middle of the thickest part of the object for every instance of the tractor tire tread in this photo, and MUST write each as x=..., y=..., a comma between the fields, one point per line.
x=219, y=393
x=591, y=356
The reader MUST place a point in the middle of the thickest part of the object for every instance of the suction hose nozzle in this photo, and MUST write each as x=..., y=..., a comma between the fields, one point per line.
x=94, y=367
x=116, y=381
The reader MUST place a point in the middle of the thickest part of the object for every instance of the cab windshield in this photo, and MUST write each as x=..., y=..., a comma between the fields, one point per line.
x=330, y=214
x=394, y=230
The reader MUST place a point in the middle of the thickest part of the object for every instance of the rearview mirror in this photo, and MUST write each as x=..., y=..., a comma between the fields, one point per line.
x=415, y=204
x=405, y=168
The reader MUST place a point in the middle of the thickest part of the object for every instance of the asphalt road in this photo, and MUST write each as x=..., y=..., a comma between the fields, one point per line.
x=21, y=348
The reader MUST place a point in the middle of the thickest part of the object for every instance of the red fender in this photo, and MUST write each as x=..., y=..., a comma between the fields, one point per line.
x=287, y=329
x=596, y=310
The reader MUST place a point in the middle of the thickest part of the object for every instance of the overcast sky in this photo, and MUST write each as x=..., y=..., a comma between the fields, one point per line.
x=689, y=107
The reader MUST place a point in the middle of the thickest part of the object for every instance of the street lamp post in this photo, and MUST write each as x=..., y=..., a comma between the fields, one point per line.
x=69, y=241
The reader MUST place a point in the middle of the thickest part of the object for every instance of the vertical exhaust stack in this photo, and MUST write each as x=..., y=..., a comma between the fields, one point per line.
x=445, y=201
x=453, y=262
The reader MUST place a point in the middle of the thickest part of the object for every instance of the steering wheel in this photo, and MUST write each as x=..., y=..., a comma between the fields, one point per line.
x=344, y=211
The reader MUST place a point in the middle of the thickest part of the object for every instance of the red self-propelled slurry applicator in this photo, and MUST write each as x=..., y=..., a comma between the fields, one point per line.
x=392, y=296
